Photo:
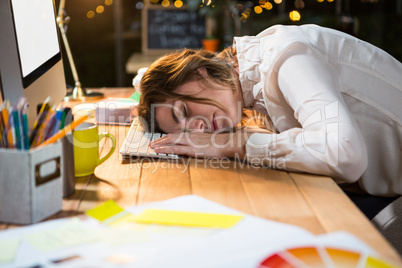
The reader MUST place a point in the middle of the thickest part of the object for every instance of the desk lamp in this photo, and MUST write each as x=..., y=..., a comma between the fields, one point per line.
x=79, y=93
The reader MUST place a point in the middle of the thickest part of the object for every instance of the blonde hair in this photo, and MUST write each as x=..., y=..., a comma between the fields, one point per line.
x=169, y=72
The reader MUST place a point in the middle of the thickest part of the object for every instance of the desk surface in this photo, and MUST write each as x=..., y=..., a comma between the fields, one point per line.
x=312, y=202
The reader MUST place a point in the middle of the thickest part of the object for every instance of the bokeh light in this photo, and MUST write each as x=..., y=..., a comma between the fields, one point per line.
x=165, y=3
x=139, y=5
x=108, y=2
x=299, y=4
x=100, y=9
x=90, y=14
x=268, y=6
x=294, y=15
x=178, y=3
x=258, y=9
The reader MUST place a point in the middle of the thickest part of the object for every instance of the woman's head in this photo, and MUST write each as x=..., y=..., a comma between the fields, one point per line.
x=180, y=81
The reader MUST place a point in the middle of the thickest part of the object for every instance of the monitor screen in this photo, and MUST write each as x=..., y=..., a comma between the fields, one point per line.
x=30, y=57
x=37, y=38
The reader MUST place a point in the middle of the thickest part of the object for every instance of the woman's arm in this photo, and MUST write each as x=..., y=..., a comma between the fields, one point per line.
x=329, y=141
x=198, y=144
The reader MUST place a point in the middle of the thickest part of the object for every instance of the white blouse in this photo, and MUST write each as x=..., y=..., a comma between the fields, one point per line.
x=334, y=100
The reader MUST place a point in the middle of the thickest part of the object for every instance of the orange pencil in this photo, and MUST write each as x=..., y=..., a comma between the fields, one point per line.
x=63, y=132
x=5, y=115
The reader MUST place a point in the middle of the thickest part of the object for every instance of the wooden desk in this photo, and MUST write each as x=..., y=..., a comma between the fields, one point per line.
x=312, y=202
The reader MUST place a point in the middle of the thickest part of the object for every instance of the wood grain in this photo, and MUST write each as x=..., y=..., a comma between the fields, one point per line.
x=274, y=195
x=219, y=181
x=163, y=179
x=335, y=212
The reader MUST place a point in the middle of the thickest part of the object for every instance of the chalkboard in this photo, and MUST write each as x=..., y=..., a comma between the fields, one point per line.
x=171, y=29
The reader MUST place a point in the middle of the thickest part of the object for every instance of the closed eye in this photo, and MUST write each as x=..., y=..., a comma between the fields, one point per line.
x=185, y=111
x=179, y=111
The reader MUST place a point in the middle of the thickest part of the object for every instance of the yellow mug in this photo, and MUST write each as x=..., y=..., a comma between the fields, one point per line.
x=86, y=139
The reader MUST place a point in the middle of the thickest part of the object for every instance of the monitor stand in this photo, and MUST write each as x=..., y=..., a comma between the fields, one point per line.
x=80, y=94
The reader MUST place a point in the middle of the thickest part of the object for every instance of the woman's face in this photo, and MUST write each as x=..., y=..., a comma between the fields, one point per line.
x=176, y=115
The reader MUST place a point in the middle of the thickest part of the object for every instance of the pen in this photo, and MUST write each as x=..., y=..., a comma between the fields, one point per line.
x=42, y=109
x=43, y=127
x=7, y=133
x=57, y=125
x=63, y=118
x=50, y=125
x=25, y=126
x=2, y=140
x=63, y=132
x=20, y=128
x=39, y=121
x=11, y=131
x=16, y=123
x=67, y=117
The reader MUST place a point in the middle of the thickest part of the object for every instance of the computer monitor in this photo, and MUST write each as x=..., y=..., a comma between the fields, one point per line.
x=30, y=57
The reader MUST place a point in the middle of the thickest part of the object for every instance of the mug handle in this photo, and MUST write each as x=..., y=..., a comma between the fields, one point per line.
x=107, y=135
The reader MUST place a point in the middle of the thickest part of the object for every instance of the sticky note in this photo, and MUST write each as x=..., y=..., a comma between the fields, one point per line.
x=372, y=262
x=71, y=233
x=184, y=218
x=8, y=249
x=105, y=211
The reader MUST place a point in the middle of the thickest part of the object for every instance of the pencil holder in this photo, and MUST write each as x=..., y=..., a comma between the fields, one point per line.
x=68, y=165
x=31, y=187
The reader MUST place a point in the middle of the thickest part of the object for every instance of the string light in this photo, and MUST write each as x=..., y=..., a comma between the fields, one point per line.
x=165, y=3
x=294, y=15
x=178, y=3
x=108, y=2
x=90, y=14
x=268, y=6
x=257, y=9
x=100, y=9
x=299, y=4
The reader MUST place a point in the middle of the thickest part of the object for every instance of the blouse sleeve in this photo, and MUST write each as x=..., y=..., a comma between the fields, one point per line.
x=329, y=141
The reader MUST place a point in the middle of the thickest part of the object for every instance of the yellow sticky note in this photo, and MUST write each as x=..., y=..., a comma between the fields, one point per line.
x=8, y=249
x=105, y=211
x=185, y=218
x=372, y=262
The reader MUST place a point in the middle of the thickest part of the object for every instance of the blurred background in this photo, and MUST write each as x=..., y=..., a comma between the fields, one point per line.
x=106, y=35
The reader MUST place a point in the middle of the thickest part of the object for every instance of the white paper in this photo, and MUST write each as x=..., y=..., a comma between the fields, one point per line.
x=245, y=245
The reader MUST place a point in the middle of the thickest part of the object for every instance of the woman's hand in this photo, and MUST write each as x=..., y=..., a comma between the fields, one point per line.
x=196, y=144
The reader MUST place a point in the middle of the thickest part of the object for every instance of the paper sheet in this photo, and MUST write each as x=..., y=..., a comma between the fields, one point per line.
x=243, y=245
x=8, y=249
x=72, y=233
